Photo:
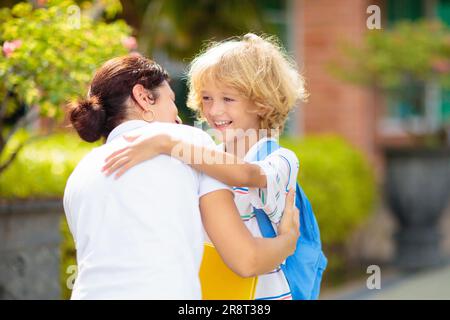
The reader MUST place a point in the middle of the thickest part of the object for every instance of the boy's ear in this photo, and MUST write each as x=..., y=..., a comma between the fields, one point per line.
x=262, y=112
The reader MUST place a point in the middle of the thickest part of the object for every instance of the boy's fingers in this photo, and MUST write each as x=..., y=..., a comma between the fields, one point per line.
x=115, y=153
x=117, y=164
x=124, y=169
x=110, y=163
x=297, y=218
x=290, y=198
x=288, y=207
x=291, y=209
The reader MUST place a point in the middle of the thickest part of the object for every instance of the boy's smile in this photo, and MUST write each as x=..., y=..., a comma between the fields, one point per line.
x=222, y=124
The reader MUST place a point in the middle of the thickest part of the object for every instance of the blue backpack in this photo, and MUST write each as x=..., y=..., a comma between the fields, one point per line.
x=303, y=269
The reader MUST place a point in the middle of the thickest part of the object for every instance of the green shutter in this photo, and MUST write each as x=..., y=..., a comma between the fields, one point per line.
x=443, y=12
x=408, y=101
x=445, y=105
x=405, y=10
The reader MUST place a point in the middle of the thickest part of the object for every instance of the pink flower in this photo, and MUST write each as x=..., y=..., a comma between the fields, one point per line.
x=10, y=46
x=130, y=43
x=441, y=65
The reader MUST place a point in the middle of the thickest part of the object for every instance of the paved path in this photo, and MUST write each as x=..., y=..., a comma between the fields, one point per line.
x=431, y=284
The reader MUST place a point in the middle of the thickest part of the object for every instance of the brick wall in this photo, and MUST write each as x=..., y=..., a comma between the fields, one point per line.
x=334, y=106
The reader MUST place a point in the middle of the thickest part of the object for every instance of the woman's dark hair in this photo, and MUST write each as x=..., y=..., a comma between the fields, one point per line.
x=105, y=107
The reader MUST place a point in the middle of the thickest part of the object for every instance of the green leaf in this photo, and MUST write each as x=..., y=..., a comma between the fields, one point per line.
x=22, y=9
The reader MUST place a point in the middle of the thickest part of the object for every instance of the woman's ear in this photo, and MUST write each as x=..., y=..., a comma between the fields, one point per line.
x=142, y=97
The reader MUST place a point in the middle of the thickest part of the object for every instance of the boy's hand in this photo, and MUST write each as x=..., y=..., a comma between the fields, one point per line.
x=136, y=152
x=290, y=222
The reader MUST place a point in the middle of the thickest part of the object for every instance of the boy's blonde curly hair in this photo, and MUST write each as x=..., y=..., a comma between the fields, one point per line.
x=258, y=68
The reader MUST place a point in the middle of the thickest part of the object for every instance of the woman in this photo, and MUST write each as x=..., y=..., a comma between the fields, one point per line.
x=141, y=237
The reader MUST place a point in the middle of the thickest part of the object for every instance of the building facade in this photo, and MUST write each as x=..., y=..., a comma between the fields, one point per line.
x=361, y=115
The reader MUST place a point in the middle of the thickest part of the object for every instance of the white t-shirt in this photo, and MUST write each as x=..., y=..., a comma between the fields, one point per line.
x=281, y=168
x=140, y=236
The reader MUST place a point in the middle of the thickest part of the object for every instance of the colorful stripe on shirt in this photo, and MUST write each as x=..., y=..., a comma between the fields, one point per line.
x=248, y=217
x=240, y=190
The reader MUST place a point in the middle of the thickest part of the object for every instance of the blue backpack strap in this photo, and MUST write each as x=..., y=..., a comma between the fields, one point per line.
x=264, y=223
x=265, y=149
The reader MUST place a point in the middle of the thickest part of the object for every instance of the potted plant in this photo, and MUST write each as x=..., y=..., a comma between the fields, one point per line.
x=410, y=63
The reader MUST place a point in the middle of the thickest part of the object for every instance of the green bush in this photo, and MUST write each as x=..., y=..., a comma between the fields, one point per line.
x=41, y=169
x=60, y=47
x=50, y=51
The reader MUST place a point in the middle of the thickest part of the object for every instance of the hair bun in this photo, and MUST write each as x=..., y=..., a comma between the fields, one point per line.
x=88, y=118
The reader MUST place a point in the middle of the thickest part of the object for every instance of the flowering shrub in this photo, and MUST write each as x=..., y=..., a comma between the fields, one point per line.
x=418, y=50
x=49, y=54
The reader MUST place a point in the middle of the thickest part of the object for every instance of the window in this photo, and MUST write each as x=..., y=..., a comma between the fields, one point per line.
x=406, y=104
x=418, y=103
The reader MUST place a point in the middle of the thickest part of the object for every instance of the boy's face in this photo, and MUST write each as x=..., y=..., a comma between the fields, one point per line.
x=228, y=112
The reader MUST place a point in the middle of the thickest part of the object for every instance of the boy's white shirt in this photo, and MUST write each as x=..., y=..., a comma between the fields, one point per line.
x=281, y=168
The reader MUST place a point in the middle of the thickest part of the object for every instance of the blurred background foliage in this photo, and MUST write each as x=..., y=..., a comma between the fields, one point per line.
x=179, y=28
x=49, y=55
x=43, y=166
x=410, y=50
